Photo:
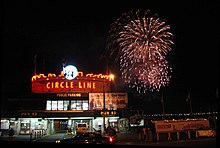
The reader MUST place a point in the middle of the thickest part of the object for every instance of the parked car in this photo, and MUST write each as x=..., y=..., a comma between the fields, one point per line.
x=88, y=138
x=82, y=127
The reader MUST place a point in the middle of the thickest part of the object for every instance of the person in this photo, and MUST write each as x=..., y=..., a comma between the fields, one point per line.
x=11, y=132
x=91, y=104
x=107, y=130
x=99, y=128
x=111, y=131
x=149, y=135
x=143, y=133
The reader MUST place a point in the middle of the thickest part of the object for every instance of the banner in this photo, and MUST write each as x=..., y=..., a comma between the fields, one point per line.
x=113, y=101
x=180, y=125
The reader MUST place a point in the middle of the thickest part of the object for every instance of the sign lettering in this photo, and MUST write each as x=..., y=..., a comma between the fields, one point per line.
x=82, y=85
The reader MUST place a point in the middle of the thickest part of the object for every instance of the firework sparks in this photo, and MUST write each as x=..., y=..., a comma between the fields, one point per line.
x=141, y=43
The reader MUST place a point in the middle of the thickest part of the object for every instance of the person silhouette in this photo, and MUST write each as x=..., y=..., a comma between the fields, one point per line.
x=11, y=132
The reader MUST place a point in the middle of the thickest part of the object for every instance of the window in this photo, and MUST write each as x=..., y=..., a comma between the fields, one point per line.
x=48, y=105
x=54, y=105
x=66, y=105
x=85, y=105
x=60, y=105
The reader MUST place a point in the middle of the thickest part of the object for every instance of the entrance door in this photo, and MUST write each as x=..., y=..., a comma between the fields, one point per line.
x=60, y=126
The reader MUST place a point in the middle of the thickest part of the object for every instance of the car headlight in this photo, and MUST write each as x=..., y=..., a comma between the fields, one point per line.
x=57, y=141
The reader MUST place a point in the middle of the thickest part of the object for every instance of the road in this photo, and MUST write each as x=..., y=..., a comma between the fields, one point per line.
x=128, y=140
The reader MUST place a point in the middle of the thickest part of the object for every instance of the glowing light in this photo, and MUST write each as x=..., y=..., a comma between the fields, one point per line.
x=140, y=43
x=111, y=76
x=70, y=72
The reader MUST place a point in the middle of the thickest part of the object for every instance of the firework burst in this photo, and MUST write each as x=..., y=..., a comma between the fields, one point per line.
x=141, y=43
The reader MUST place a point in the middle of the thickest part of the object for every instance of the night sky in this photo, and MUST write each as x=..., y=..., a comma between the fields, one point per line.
x=77, y=30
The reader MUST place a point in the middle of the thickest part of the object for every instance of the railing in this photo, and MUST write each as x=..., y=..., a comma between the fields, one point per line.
x=37, y=134
x=187, y=134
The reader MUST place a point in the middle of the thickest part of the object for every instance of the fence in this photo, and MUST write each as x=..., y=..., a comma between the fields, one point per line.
x=37, y=134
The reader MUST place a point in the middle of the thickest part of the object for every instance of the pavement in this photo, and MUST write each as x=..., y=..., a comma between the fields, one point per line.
x=122, y=138
x=126, y=138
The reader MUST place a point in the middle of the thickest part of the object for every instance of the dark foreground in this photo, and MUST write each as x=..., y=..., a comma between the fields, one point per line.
x=206, y=143
x=122, y=140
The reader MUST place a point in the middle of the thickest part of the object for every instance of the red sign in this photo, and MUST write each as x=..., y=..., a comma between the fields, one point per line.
x=81, y=84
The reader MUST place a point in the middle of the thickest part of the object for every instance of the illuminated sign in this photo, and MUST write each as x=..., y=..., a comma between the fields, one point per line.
x=108, y=113
x=70, y=84
x=69, y=95
x=28, y=114
x=70, y=72
x=81, y=84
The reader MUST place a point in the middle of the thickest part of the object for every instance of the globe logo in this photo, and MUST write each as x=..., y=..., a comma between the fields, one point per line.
x=70, y=72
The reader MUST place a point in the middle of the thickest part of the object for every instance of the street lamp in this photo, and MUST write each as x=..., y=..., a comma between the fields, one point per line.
x=111, y=77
